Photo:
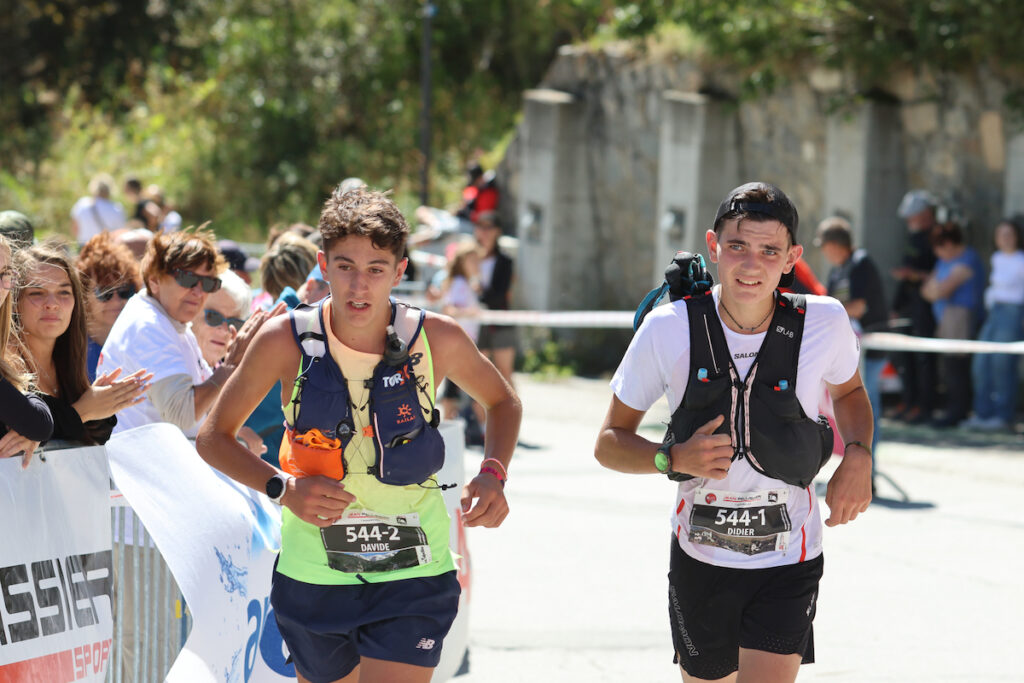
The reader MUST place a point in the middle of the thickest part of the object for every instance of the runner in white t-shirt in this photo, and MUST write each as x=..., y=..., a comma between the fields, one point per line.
x=736, y=602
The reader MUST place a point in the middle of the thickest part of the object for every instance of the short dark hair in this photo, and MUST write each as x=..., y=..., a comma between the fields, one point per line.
x=835, y=230
x=365, y=213
x=1017, y=223
x=759, y=202
x=949, y=233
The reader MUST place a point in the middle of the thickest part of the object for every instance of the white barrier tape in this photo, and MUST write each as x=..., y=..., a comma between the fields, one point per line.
x=879, y=341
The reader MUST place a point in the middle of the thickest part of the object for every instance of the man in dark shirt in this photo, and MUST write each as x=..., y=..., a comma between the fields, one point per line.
x=917, y=369
x=855, y=281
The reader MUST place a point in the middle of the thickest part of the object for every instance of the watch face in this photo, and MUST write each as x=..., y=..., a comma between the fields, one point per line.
x=275, y=487
x=661, y=461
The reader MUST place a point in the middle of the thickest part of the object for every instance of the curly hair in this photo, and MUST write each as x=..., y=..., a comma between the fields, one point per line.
x=365, y=213
x=185, y=249
x=12, y=368
x=102, y=262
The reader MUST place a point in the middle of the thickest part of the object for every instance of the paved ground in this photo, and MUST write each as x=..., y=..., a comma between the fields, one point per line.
x=572, y=586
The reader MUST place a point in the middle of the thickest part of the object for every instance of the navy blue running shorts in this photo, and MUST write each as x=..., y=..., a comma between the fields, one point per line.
x=328, y=628
x=714, y=611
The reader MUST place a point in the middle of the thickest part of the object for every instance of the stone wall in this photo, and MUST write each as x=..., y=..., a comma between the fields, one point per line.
x=947, y=133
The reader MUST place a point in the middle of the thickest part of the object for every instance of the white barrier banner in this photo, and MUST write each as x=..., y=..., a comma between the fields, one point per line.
x=220, y=540
x=56, y=577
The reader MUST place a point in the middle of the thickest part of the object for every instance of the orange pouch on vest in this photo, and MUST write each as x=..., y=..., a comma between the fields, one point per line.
x=311, y=453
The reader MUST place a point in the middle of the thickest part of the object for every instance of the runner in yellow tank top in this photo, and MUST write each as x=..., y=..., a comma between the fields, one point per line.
x=383, y=626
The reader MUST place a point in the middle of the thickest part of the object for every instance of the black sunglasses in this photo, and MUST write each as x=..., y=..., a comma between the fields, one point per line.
x=188, y=280
x=124, y=291
x=216, y=319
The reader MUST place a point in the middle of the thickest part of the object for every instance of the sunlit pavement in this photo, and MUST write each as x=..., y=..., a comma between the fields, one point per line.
x=572, y=586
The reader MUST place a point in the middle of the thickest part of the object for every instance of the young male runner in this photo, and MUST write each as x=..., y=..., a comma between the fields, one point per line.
x=374, y=596
x=746, y=547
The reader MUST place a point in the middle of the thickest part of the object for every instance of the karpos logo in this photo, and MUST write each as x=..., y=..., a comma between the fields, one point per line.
x=69, y=591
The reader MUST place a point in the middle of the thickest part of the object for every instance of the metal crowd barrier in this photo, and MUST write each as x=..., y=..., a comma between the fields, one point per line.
x=151, y=620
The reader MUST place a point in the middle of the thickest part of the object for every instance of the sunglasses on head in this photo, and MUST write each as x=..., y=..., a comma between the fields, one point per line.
x=188, y=280
x=106, y=294
x=216, y=319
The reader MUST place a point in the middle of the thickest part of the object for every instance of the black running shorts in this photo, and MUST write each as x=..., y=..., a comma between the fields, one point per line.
x=714, y=611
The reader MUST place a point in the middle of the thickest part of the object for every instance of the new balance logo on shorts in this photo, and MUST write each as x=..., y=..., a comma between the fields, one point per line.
x=425, y=644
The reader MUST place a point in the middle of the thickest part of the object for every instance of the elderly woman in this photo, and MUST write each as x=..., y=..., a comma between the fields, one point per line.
x=180, y=270
x=51, y=308
x=110, y=276
x=225, y=309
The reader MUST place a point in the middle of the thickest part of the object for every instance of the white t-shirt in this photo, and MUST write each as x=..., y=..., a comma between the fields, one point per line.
x=106, y=216
x=1007, y=279
x=144, y=336
x=658, y=362
x=461, y=295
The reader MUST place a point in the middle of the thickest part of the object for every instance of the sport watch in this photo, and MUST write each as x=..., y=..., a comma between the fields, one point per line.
x=276, y=487
x=662, y=460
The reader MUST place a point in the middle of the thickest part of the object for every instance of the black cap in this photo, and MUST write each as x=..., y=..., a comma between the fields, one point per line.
x=777, y=207
x=236, y=258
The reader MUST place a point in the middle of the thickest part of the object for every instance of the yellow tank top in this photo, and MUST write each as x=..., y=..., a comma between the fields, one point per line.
x=303, y=557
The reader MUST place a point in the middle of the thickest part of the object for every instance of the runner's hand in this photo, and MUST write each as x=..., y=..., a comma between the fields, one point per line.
x=14, y=443
x=318, y=500
x=849, y=489
x=705, y=454
x=491, y=507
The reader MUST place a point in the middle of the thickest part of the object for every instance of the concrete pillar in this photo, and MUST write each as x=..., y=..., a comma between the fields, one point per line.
x=697, y=165
x=552, y=209
x=865, y=179
x=1013, y=193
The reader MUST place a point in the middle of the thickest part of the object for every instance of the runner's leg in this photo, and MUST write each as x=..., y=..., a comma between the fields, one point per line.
x=758, y=666
x=381, y=671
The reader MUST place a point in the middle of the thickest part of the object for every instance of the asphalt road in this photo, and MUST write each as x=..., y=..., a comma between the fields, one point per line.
x=572, y=587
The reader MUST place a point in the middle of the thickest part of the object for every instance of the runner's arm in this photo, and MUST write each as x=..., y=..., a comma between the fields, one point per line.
x=849, y=490
x=620, y=448
x=456, y=357
x=273, y=356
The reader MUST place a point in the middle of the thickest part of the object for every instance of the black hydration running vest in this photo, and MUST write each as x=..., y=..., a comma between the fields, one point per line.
x=409, y=448
x=763, y=415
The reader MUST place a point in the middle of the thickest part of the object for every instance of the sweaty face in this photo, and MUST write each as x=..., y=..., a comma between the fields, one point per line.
x=182, y=304
x=361, y=276
x=213, y=340
x=46, y=302
x=751, y=257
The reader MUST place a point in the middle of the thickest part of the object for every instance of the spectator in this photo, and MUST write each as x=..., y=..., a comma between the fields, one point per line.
x=157, y=213
x=916, y=369
x=110, y=276
x=286, y=265
x=51, y=308
x=804, y=281
x=955, y=288
x=17, y=228
x=497, y=342
x=180, y=269
x=133, y=195
x=480, y=194
x=459, y=300
x=315, y=288
x=855, y=281
x=96, y=213
x=24, y=419
x=995, y=374
x=240, y=263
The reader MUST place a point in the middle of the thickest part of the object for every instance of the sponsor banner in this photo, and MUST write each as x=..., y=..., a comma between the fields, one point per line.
x=220, y=540
x=56, y=577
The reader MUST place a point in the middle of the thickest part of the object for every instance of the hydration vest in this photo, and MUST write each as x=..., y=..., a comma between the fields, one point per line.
x=767, y=424
x=408, y=447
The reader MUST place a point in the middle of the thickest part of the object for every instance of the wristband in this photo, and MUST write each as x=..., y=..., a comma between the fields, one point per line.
x=499, y=474
x=504, y=472
x=495, y=473
x=856, y=443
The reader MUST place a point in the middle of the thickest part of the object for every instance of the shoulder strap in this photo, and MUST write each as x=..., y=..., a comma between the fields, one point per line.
x=407, y=321
x=782, y=346
x=708, y=349
x=308, y=329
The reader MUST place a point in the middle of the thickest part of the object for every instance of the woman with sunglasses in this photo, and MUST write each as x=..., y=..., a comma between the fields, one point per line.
x=24, y=419
x=51, y=311
x=180, y=270
x=110, y=276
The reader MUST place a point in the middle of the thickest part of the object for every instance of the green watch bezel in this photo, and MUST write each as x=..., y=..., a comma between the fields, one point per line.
x=662, y=461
